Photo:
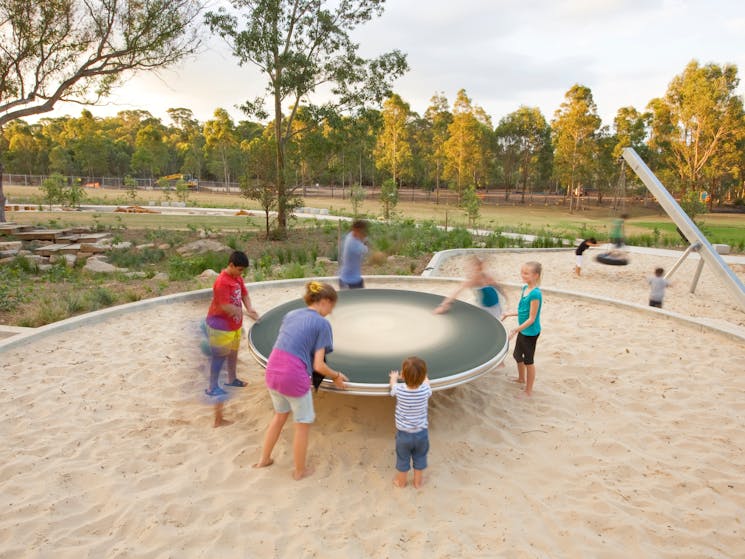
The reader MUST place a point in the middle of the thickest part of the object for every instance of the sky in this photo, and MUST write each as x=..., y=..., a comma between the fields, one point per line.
x=504, y=53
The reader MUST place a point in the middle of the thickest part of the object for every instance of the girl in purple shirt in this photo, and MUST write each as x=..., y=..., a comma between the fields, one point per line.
x=303, y=341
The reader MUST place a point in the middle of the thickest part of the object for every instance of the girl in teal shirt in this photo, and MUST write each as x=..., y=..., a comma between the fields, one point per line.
x=529, y=325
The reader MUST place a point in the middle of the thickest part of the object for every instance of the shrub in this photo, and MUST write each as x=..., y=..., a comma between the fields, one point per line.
x=293, y=271
x=180, y=268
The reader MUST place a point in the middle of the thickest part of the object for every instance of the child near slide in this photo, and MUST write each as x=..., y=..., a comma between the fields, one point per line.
x=489, y=293
x=657, y=285
x=529, y=325
x=412, y=433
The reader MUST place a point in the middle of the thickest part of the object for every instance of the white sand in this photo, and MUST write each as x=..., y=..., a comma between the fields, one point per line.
x=632, y=446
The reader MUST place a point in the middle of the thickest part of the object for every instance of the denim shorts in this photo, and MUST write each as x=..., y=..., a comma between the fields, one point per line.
x=411, y=447
x=301, y=407
x=344, y=285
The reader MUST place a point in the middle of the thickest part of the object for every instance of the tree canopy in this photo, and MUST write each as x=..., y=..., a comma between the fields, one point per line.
x=301, y=46
x=77, y=50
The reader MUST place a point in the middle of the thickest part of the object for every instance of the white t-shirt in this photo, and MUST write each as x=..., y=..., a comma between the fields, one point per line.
x=657, y=286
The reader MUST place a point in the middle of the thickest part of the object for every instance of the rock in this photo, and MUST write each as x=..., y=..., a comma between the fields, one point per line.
x=36, y=259
x=208, y=274
x=202, y=246
x=13, y=246
x=160, y=276
x=68, y=259
x=122, y=245
x=138, y=275
x=146, y=245
x=98, y=266
x=8, y=253
x=164, y=246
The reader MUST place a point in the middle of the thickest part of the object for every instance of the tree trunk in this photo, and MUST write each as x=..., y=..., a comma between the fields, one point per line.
x=2, y=194
x=280, y=170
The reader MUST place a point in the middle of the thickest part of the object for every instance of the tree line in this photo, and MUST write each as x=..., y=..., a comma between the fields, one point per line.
x=361, y=134
x=693, y=138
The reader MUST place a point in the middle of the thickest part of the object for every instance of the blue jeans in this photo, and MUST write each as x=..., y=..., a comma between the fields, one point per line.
x=411, y=447
x=358, y=285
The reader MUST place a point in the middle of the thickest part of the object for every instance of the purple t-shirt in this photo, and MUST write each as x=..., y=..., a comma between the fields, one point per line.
x=290, y=365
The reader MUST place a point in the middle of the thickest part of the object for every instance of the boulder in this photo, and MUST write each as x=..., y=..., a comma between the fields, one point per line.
x=160, y=276
x=98, y=266
x=68, y=259
x=202, y=246
x=208, y=274
x=13, y=246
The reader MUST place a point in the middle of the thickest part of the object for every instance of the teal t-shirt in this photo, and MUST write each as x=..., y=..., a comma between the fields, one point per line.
x=523, y=310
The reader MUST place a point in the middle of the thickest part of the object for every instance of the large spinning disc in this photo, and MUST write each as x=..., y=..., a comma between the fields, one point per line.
x=376, y=329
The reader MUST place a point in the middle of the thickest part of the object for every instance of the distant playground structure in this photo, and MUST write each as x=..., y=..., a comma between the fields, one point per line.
x=698, y=242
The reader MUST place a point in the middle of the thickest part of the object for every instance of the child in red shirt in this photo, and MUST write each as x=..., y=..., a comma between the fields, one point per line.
x=224, y=321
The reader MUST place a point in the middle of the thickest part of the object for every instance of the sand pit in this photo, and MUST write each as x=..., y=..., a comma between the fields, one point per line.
x=631, y=447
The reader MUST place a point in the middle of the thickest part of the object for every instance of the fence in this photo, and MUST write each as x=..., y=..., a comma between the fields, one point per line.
x=493, y=196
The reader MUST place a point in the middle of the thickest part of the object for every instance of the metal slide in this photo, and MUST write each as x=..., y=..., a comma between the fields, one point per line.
x=686, y=225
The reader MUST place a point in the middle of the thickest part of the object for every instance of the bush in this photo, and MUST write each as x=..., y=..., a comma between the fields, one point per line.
x=134, y=258
x=180, y=268
x=293, y=271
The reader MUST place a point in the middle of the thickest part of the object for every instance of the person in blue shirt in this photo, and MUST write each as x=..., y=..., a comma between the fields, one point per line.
x=353, y=251
x=529, y=325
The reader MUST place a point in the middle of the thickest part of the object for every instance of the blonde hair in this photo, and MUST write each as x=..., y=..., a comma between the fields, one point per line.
x=316, y=291
x=537, y=269
x=414, y=371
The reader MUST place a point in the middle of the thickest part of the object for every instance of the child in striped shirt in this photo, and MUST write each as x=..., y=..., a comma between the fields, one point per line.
x=412, y=436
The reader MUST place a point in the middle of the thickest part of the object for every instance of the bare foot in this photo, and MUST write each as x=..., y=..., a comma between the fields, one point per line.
x=524, y=395
x=518, y=380
x=308, y=471
x=399, y=481
x=221, y=422
x=418, y=479
x=261, y=464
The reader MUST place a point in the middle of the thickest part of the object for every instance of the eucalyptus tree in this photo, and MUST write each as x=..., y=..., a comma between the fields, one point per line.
x=300, y=46
x=524, y=139
x=393, y=147
x=699, y=115
x=222, y=147
x=573, y=134
x=188, y=139
x=439, y=118
x=630, y=129
x=366, y=126
x=23, y=151
x=76, y=50
x=150, y=157
x=463, y=148
x=311, y=149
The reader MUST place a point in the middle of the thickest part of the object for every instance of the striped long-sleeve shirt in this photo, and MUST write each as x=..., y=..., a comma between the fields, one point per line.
x=411, y=406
